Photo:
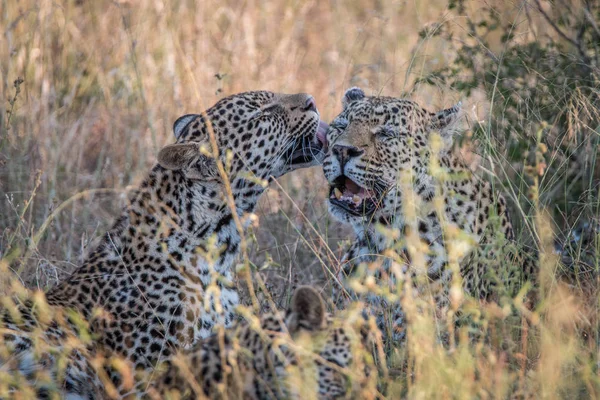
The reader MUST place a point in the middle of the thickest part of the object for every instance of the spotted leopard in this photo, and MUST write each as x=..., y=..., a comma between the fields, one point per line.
x=302, y=353
x=387, y=172
x=161, y=278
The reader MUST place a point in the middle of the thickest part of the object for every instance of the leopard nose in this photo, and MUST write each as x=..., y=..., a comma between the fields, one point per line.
x=310, y=104
x=347, y=151
x=344, y=153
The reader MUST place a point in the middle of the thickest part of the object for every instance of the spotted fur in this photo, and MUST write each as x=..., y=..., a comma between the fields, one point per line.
x=301, y=353
x=161, y=278
x=45, y=354
x=385, y=169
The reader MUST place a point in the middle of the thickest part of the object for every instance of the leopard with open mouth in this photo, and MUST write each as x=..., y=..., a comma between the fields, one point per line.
x=379, y=168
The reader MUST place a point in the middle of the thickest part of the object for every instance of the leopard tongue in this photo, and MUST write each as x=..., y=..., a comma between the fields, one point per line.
x=322, y=134
x=352, y=187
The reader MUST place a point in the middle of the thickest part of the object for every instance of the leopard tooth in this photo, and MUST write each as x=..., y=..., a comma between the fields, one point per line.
x=338, y=193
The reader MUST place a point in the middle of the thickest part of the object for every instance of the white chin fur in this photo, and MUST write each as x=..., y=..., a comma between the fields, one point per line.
x=341, y=215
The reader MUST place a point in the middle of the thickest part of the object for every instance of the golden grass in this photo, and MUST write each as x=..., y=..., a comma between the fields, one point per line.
x=104, y=80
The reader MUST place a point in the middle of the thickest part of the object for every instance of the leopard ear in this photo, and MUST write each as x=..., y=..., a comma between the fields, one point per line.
x=190, y=159
x=181, y=123
x=445, y=121
x=353, y=94
x=307, y=310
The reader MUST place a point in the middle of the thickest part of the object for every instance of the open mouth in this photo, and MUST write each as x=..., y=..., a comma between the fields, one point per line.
x=351, y=197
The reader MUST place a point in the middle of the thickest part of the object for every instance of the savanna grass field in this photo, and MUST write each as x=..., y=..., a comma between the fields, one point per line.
x=90, y=91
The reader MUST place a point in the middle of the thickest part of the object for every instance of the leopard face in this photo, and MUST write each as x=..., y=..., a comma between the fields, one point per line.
x=258, y=134
x=374, y=143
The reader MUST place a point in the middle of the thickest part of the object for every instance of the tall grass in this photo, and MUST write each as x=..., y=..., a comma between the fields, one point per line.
x=89, y=93
x=104, y=81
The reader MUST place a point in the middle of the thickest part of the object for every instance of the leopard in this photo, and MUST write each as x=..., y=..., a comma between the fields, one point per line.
x=394, y=176
x=302, y=352
x=44, y=353
x=161, y=278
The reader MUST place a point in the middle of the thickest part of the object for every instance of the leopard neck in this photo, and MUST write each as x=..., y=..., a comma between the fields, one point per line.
x=465, y=197
x=167, y=205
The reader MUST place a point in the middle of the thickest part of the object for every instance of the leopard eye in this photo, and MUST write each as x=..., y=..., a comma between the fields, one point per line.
x=336, y=128
x=386, y=132
x=255, y=114
x=270, y=107
x=265, y=111
x=339, y=124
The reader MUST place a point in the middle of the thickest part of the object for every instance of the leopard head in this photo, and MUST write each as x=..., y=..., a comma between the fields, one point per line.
x=373, y=143
x=259, y=135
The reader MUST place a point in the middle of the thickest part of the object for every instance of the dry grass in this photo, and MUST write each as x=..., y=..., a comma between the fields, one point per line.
x=103, y=82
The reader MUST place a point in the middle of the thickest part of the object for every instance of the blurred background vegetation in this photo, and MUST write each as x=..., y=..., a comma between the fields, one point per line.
x=90, y=90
